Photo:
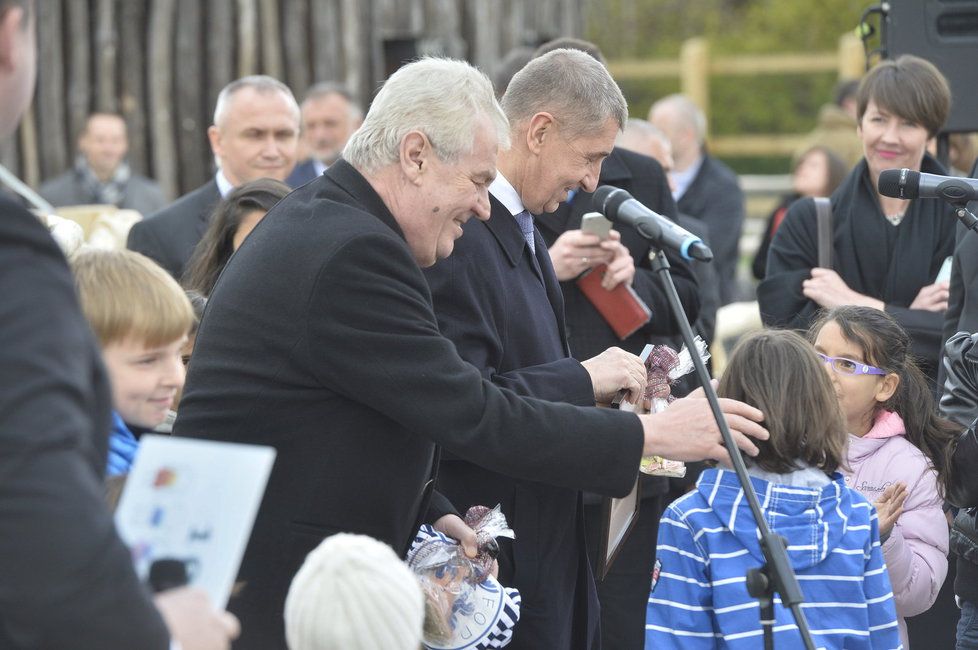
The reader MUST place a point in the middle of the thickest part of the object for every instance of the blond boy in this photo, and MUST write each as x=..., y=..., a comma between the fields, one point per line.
x=141, y=318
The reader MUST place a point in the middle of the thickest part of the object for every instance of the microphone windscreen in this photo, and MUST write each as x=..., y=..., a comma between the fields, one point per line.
x=899, y=183
x=601, y=196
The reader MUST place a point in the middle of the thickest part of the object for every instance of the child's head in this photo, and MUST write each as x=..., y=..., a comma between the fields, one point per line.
x=353, y=593
x=871, y=354
x=873, y=370
x=777, y=372
x=817, y=172
x=141, y=318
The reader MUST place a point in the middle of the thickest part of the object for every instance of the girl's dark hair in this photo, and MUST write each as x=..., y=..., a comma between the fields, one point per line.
x=777, y=372
x=886, y=345
x=215, y=248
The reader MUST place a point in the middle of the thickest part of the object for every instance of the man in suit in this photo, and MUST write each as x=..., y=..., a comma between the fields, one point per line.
x=498, y=297
x=329, y=118
x=320, y=339
x=101, y=174
x=704, y=188
x=68, y=580
x=255, y=135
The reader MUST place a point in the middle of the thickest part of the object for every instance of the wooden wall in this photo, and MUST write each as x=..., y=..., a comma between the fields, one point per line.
x=161, y=63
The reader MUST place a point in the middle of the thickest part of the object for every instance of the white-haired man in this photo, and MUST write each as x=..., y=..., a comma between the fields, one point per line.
x=329, y=118
x=704, y=188
x=255, y=135
x=320, y=339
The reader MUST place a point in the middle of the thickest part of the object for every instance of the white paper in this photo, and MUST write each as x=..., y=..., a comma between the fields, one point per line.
x=193, y=500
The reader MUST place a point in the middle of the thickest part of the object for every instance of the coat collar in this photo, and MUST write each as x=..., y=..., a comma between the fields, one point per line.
x=507, y=232
x=347, y=179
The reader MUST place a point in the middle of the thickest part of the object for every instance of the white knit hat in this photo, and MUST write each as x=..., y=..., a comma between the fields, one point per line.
x=354, y=593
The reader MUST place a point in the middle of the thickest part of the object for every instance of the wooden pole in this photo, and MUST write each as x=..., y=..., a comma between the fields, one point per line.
x=271, y=39
x=79, y=61
x=50, y=90
x=106, y=42
x=328, y=53
x=161, y=68
x=295, y=37
x=191, y=121
x=248, y=42
x=132, y=81
x=695, y=73
x=852, y=57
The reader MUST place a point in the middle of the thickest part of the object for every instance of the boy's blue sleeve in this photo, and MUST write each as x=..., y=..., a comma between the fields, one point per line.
x=679, y=613
x=884, y=633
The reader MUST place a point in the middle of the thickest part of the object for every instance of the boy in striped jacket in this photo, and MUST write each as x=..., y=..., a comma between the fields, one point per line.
x=708, y=539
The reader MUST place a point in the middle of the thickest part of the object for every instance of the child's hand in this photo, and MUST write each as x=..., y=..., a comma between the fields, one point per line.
x=889, y=507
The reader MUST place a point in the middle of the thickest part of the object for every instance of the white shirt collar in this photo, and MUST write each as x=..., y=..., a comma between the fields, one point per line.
x=505, y=193
x=682, y=180
x=224, y=186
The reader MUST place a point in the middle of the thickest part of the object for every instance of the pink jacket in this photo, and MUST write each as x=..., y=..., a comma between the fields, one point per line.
x=916, y=551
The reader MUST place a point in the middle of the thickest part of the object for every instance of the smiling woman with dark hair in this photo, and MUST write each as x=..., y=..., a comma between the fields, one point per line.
x=233, y=219
x=887, y=252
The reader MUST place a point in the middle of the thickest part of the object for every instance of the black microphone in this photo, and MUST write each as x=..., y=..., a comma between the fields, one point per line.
x=908, y=184
x=621, y=207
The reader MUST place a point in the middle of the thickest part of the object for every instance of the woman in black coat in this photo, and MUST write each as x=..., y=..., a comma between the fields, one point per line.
x=887, y=252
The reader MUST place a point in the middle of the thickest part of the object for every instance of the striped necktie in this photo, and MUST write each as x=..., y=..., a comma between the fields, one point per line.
x=525, y=221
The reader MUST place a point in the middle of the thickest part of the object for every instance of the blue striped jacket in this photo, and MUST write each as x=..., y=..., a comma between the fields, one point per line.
x=708, y=540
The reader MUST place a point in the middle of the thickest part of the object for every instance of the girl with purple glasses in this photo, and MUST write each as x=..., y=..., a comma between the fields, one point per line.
x=899, y=448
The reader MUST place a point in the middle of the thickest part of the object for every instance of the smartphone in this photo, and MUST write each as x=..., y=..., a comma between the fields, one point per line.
x=944, y=275
x=596, y=224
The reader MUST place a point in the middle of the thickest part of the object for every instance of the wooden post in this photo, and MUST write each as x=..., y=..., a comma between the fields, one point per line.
x=161, y=68
x=328, y=63
x=852, y=57
x=50, y=90
x=248, y=42
x=191, y=120
x=694, y=80
x=271, y=39
x=295, y=37
x=132, y=81
x=79, y=83
x=220, y=49
x=106, y=40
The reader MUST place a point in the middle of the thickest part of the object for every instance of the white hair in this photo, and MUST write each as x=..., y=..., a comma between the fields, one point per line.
x=261, y=84
x=687, y=110
x=636, y=127
x=445, y=99
x=571, y=85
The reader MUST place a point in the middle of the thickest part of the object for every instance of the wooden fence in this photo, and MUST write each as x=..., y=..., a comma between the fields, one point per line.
x=161, y=63
x=695, y=66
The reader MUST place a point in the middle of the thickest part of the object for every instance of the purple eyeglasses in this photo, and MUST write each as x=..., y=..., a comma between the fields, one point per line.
x=845, y=366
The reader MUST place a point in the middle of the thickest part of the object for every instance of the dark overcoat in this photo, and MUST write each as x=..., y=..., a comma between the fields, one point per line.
x=320, y=340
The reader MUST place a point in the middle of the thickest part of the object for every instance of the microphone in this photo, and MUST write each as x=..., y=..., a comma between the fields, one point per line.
x=620, y=207
x=908, y=184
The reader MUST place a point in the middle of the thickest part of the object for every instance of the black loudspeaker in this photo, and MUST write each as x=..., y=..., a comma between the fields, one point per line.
x=945, y=32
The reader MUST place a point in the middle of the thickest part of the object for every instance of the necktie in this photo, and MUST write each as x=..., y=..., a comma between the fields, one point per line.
x=525, y=221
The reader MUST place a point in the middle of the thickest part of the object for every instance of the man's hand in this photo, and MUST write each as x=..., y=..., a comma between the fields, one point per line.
x=933, y=297
x=621, y=269
x=193, y=622
x=613, y=370
x=687, y=431
x=889, y=507
x=576, y=251
x=457, y=529
x=829, y=290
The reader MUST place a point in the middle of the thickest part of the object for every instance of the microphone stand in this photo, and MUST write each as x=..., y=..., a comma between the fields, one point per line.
x=776, y=575
x=964, y=215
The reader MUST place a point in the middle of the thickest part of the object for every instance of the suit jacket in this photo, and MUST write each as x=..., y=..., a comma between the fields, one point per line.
x=169, y=236
x=320, y=340
x=142, y=194
x=302, y=174
x=715, y=198
x=503, y=309
x=68, y=580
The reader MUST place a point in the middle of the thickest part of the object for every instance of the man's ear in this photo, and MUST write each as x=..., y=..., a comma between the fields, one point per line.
x=214, y=136
x=888, y=386
x=415, y=154
x=541, y=126
x=11, y=21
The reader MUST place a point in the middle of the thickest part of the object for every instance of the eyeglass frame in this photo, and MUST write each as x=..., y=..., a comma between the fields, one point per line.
x=860, y=367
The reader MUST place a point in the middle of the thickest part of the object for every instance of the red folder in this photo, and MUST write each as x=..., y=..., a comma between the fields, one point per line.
x=621, y=307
